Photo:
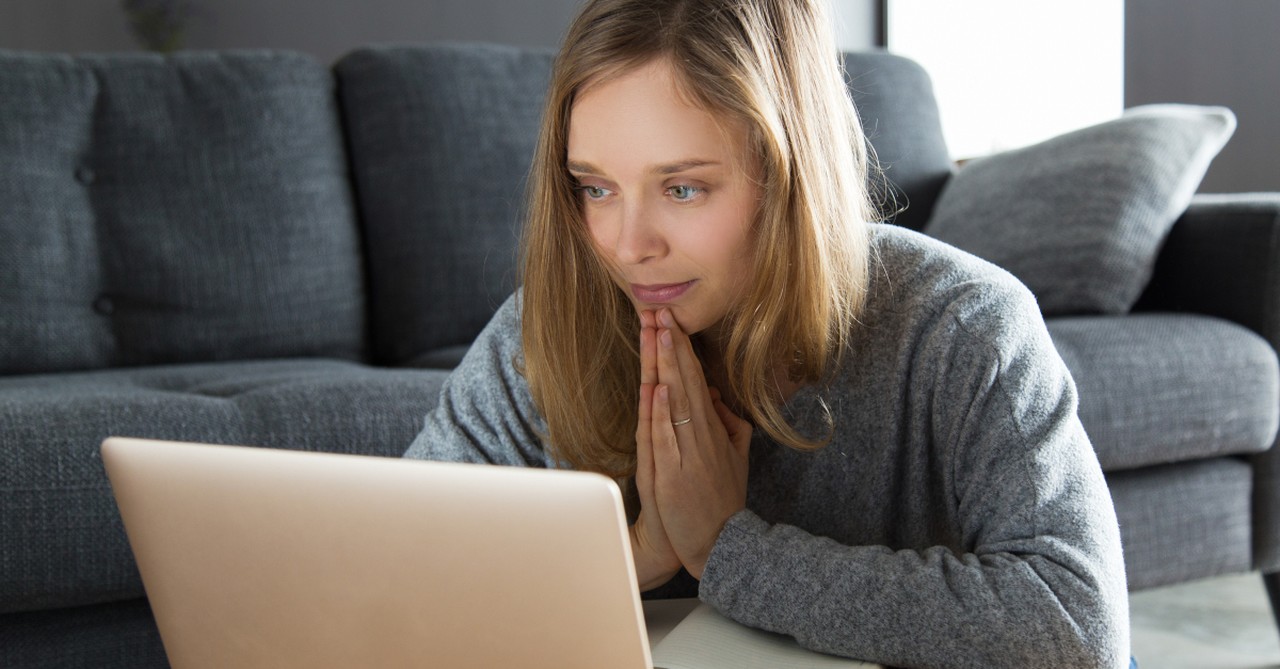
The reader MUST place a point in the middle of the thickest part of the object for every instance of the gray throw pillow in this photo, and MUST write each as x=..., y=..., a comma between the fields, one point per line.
x=1080, y=218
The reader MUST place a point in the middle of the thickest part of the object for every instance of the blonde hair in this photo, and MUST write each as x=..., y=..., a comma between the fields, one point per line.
x=773, y=66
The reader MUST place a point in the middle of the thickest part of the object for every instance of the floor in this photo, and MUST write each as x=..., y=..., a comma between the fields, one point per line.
x=1218, y=623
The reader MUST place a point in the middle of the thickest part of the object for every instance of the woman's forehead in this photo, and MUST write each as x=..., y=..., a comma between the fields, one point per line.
x=641, y=116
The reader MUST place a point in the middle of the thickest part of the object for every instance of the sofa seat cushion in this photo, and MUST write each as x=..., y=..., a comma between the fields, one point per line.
x=1184, y=521
x=1161, y=388
x=64, y=542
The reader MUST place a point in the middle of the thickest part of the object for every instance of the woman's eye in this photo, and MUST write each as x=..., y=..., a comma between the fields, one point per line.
x=593, y=192
x=684, y=193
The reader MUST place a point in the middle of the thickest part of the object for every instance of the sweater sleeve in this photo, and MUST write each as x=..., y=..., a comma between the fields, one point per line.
x=1036, y=578
x=486, y=413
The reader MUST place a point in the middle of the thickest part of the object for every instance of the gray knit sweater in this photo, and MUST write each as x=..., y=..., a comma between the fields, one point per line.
x=958, y=518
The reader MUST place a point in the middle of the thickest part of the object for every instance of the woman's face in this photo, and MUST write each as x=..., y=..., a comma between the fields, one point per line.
x=665, y=193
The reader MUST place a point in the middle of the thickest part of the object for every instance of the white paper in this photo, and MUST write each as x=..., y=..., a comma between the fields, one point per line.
x=707, y=640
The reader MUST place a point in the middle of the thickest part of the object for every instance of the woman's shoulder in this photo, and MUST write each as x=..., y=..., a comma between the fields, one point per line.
x=498, y=343
x=929, y=296
x=507, y=316
x=912, y=272
x=505, y=324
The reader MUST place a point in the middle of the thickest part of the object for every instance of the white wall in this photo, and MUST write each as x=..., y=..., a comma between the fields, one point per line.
x=856, y=24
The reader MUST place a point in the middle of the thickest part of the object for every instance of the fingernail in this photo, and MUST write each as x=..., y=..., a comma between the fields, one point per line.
x=667, y=319
x=666, y=338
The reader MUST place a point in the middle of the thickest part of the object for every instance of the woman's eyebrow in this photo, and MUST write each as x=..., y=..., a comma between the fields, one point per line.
x=585, y=168
x=579, y=167
x=683, y=165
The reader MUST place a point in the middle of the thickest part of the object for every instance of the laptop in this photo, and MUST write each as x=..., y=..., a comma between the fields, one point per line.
x=255, y=557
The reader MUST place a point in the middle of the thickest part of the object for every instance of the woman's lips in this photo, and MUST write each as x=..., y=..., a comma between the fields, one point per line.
x=660, y=293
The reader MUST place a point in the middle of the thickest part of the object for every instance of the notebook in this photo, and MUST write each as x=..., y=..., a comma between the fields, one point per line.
x=255, y=557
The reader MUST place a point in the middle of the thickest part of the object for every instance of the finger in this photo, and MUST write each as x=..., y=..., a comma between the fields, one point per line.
x=666, y=450
x=716, y=403
x=739, y=430
x=693, y=382
x=644, y=444
x=726, y=416
x=648, y=355
x=685, y=415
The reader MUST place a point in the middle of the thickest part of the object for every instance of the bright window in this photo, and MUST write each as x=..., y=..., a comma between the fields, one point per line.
x=1008, y=73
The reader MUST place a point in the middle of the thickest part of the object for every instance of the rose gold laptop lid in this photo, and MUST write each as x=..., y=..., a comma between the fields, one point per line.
x=255, y=557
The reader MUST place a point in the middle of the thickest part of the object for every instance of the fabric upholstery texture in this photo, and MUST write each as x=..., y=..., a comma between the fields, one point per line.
x=64, y=544
x=441, y=138
x=894, y=99
x=1080, y=218
x=118, y=174
x=1223, y=259
x=1197, y=511
x=1266, y=509
x=1159, y=388
x=106, y=636
x=120, y=635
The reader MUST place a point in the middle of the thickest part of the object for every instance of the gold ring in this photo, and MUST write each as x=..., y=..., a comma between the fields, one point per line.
x=682, y=422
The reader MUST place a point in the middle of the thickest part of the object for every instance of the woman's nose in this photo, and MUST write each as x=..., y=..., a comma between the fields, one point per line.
x=638, y=238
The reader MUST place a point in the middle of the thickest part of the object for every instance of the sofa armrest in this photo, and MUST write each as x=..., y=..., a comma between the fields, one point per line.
x=1222, y=258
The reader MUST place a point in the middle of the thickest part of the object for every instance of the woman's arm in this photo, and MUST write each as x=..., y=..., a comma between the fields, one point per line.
x=1036, y=578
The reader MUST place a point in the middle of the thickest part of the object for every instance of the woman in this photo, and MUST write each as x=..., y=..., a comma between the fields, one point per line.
x=827, y=428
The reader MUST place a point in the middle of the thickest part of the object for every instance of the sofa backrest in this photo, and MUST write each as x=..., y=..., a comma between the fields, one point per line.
x=198, y=207
x=183, y=209
x=895, y=101
x=441, y=138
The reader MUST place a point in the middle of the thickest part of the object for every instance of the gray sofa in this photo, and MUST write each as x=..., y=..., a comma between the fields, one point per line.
x=253, y=248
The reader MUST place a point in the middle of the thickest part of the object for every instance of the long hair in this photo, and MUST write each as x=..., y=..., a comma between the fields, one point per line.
x=771, y=65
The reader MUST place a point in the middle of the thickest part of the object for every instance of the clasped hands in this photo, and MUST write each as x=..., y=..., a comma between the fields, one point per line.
x=691, y=452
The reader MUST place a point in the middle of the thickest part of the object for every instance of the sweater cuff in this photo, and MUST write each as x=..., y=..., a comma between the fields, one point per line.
x=730, y=569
